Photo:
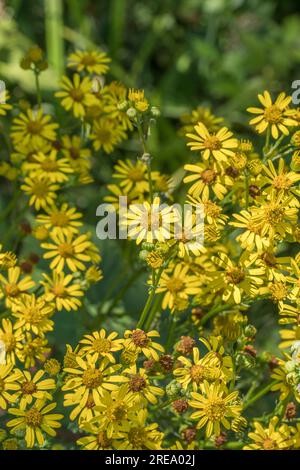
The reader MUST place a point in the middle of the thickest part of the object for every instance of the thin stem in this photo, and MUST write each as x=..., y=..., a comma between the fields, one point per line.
x=38, y=88
x=212, y=313
x=154, y=308
x=246, y=190
x=259, y=394
x=150, y=299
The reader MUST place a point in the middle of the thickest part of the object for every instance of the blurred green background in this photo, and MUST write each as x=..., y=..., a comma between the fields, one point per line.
x=184, y=53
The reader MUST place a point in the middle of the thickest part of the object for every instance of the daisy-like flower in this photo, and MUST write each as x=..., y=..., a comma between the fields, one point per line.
x=252, y=235
x=99, y=345
x=274, y=116
x=280, y=180
x=93, y=62
x=270, y=438
x=114, y=411
x=218, y=145
x=139, y=384
x=212, y=212
x=12, y=340
x=33, y=350
x=139, y=435
x=148, y=222
x=68, y=250
x=207, y=179
x=215, y=407
x=77, y=155
x=203, y=115
x=283, y=385
x=41, y=191
x=8, y=379
x=14, y=285
x=89, y=377
x=60, y=290
x=132, y=175
x=33, y=386
x=177, y=282
x=76, y=95
x=33, y=314
x=106, y=134
x=4, y=106
x=194, y=372
x=142, y=342
x=97, y=439
x=36, y=421
x=190, y=236
x=275, y=216
x=33, y=128
x=48, y=167
x=236, y=279
x=63, y=219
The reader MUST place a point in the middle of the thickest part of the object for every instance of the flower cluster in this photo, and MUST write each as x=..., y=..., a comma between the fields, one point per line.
x=188, y=372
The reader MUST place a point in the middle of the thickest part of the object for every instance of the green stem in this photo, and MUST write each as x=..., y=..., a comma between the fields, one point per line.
x=246, y=190
x=150, y=299
x=38, y=88
x=259, y=394
x=212, y=313
x=54, y=34
x=153, y=311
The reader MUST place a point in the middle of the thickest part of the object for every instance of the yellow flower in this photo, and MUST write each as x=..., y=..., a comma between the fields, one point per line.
x=89, y=377
x=93, y=62
x=78, y=157
x=33, y=314
x=77, y=95
x=60, y=290
x=33, y=128
x=48, y=167
x=132, y=175
x=217, y=145
x=106, y=134
x=67, y=251
x=99, y=346
x=137, y=100
x=236, y=279
x=114, y=411
x=8, y=379
x=273, y=115
x=139, y=435
x=252, y=235
x=33, y=350
x=13, y=287
x=141, y=342
x=281, y=180
x=201, y=114
x=275, y=216
x=177, y=282
x=269, y=438
x=196, y=371
x=63, y=219
x=148, y=222
x=139, y=384
x=97, y=440
x=12, y=340
x=215, y=407
x=30, y=387
x=41, y=191
x=93, y=274
x=207, y=178
x=4, y=106
x=36, y=421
